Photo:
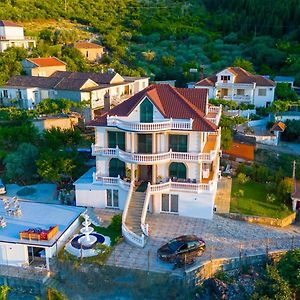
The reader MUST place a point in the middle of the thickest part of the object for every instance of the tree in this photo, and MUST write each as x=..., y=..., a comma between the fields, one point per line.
x=4, y=290
x=56, y=106
x=284, y=92
x=279, y=106
x=245, y=64
x=54, y=294
x=54, y=166
x=226, y=139
x=272, y=286
x=20, y=165
x=289, y=268
x=284, y=189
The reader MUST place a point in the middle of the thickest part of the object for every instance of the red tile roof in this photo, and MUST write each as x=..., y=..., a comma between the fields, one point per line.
x=172, y=102
x=278, y=126
x=86, y=45
x=241, y=76
x=46, y=61
x=9, y=24
x=243, y=151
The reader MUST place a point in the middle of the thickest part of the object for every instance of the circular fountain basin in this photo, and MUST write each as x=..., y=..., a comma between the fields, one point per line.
x=75, y=248
x=87, y=240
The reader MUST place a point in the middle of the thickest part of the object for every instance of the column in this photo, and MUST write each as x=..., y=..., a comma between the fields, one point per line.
x=154, y=173
x=132, y=142
x=133, y=172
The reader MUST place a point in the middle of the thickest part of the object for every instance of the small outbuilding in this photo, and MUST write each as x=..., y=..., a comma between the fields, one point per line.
x=91, y=51
x=31, y=233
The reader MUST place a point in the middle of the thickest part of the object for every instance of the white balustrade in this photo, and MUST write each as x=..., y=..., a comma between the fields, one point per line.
x=98, y=179
x=144, y=226
x=168, y=124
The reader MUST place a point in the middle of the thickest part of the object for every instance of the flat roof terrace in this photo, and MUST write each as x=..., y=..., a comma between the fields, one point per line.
x=37, y=215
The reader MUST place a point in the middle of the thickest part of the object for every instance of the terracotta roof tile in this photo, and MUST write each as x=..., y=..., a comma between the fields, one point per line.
x=171, y=102
x=278, y=126
x=46, y=61
x=244, y=151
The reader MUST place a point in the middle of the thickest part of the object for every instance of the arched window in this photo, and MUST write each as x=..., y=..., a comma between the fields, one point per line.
x=116, y=167
x=177, y=170
x=146, y=111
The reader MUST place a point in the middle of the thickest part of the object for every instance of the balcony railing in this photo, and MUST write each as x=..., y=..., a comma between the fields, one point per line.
x=154, y=158
x=16, y=38
x=168, y=124
x=215, y=110
x=117, y=181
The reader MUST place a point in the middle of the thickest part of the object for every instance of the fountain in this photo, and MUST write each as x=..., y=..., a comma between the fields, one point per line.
x=87, y=240
x=85, y=243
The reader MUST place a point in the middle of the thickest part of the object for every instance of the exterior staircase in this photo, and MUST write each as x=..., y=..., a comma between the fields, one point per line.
x=133, y=219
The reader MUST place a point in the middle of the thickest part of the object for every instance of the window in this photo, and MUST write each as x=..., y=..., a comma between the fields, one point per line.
x=5, y=93
x=116, y=167
x=19, y=94
x=112, y=198
x=146, y=111
x=87, y=54
x=240, y=92
x=225, y=78
x=169, y=203
x=116, y=138
x=262, y=92
x=178, y=143
x=145, y=143
x=177, y=170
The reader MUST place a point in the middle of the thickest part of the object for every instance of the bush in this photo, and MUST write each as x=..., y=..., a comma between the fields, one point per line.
x=116, y=222
x=270, y=198
x=239, y=193
x=242, y=178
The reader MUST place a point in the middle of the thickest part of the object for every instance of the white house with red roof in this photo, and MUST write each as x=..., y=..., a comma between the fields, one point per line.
x=43, y=66
x=12, y=35
x=157, y=152
x=237, y=84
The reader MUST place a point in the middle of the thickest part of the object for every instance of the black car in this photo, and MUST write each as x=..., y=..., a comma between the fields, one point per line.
x=187, y=246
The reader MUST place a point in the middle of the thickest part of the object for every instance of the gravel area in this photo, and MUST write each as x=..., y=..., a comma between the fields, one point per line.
x=224, y=238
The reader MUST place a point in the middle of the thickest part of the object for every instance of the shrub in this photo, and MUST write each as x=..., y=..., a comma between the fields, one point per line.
x=270, y=198
x=242, y=178
x=116, y=222
x=241, y=168
x=239, y=193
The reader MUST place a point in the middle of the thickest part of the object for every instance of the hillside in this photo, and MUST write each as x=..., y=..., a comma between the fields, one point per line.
x=164, y=39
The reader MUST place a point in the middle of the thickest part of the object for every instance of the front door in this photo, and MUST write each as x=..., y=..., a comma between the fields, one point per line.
x=145, y=173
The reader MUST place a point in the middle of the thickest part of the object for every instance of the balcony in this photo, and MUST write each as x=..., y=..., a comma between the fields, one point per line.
x=147, y=159
x=115, y=181
x=214, y=114
x=168, y=124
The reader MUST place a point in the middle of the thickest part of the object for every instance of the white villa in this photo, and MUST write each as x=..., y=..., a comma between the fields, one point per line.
x=156, y=152
x=239, y=85
x=12, y=35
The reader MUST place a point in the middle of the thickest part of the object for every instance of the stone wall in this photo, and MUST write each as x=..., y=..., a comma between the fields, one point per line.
x=263, y=220
x=195, y=276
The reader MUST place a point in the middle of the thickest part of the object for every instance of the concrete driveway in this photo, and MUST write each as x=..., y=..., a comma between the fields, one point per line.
x=224, y=238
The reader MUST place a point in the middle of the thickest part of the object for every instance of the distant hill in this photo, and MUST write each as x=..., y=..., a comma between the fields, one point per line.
x=165, y=38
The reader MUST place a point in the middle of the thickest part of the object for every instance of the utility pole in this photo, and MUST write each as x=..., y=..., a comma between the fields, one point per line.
x=294, y=170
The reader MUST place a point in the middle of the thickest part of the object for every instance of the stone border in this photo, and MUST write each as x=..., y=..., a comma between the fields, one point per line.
x=262, y=220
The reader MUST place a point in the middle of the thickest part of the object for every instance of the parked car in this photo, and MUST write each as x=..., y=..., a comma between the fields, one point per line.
x=2, y=187
x=183, y=247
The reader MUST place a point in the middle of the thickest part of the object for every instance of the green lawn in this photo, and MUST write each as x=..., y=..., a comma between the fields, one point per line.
x=253, y=202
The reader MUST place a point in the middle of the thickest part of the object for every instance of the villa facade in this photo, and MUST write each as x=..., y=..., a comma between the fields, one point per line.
x=12, y=35
x=156, y=152
x=239, y=85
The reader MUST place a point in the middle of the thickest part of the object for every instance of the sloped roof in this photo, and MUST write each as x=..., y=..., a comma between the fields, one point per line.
x=244, y=151
x=172, y=102
x=4, y=23
x=278, y=126
x=32, y=81
x=99, y=78
x=241, y=76
x=87, y=45
x=46, y=61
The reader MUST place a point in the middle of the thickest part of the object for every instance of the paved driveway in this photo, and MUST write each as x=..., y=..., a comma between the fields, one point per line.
x=224, y=238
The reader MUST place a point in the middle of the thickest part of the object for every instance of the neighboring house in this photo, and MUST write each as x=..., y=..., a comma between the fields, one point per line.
x=25, y=250
x=240, y=152
x=239, y=85
x=288, y=115
x=296, y=196
x=58, y=121
x=91, y=51
x=277, y=129
x=102, y=90
x=12, y=35
x=42, y=66
x=165, y=141
x=282, y=79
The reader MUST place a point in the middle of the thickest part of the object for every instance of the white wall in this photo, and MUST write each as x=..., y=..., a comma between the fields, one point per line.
x=262, y=100
x=13, y=254
x=225, y=73
x=11, y=32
